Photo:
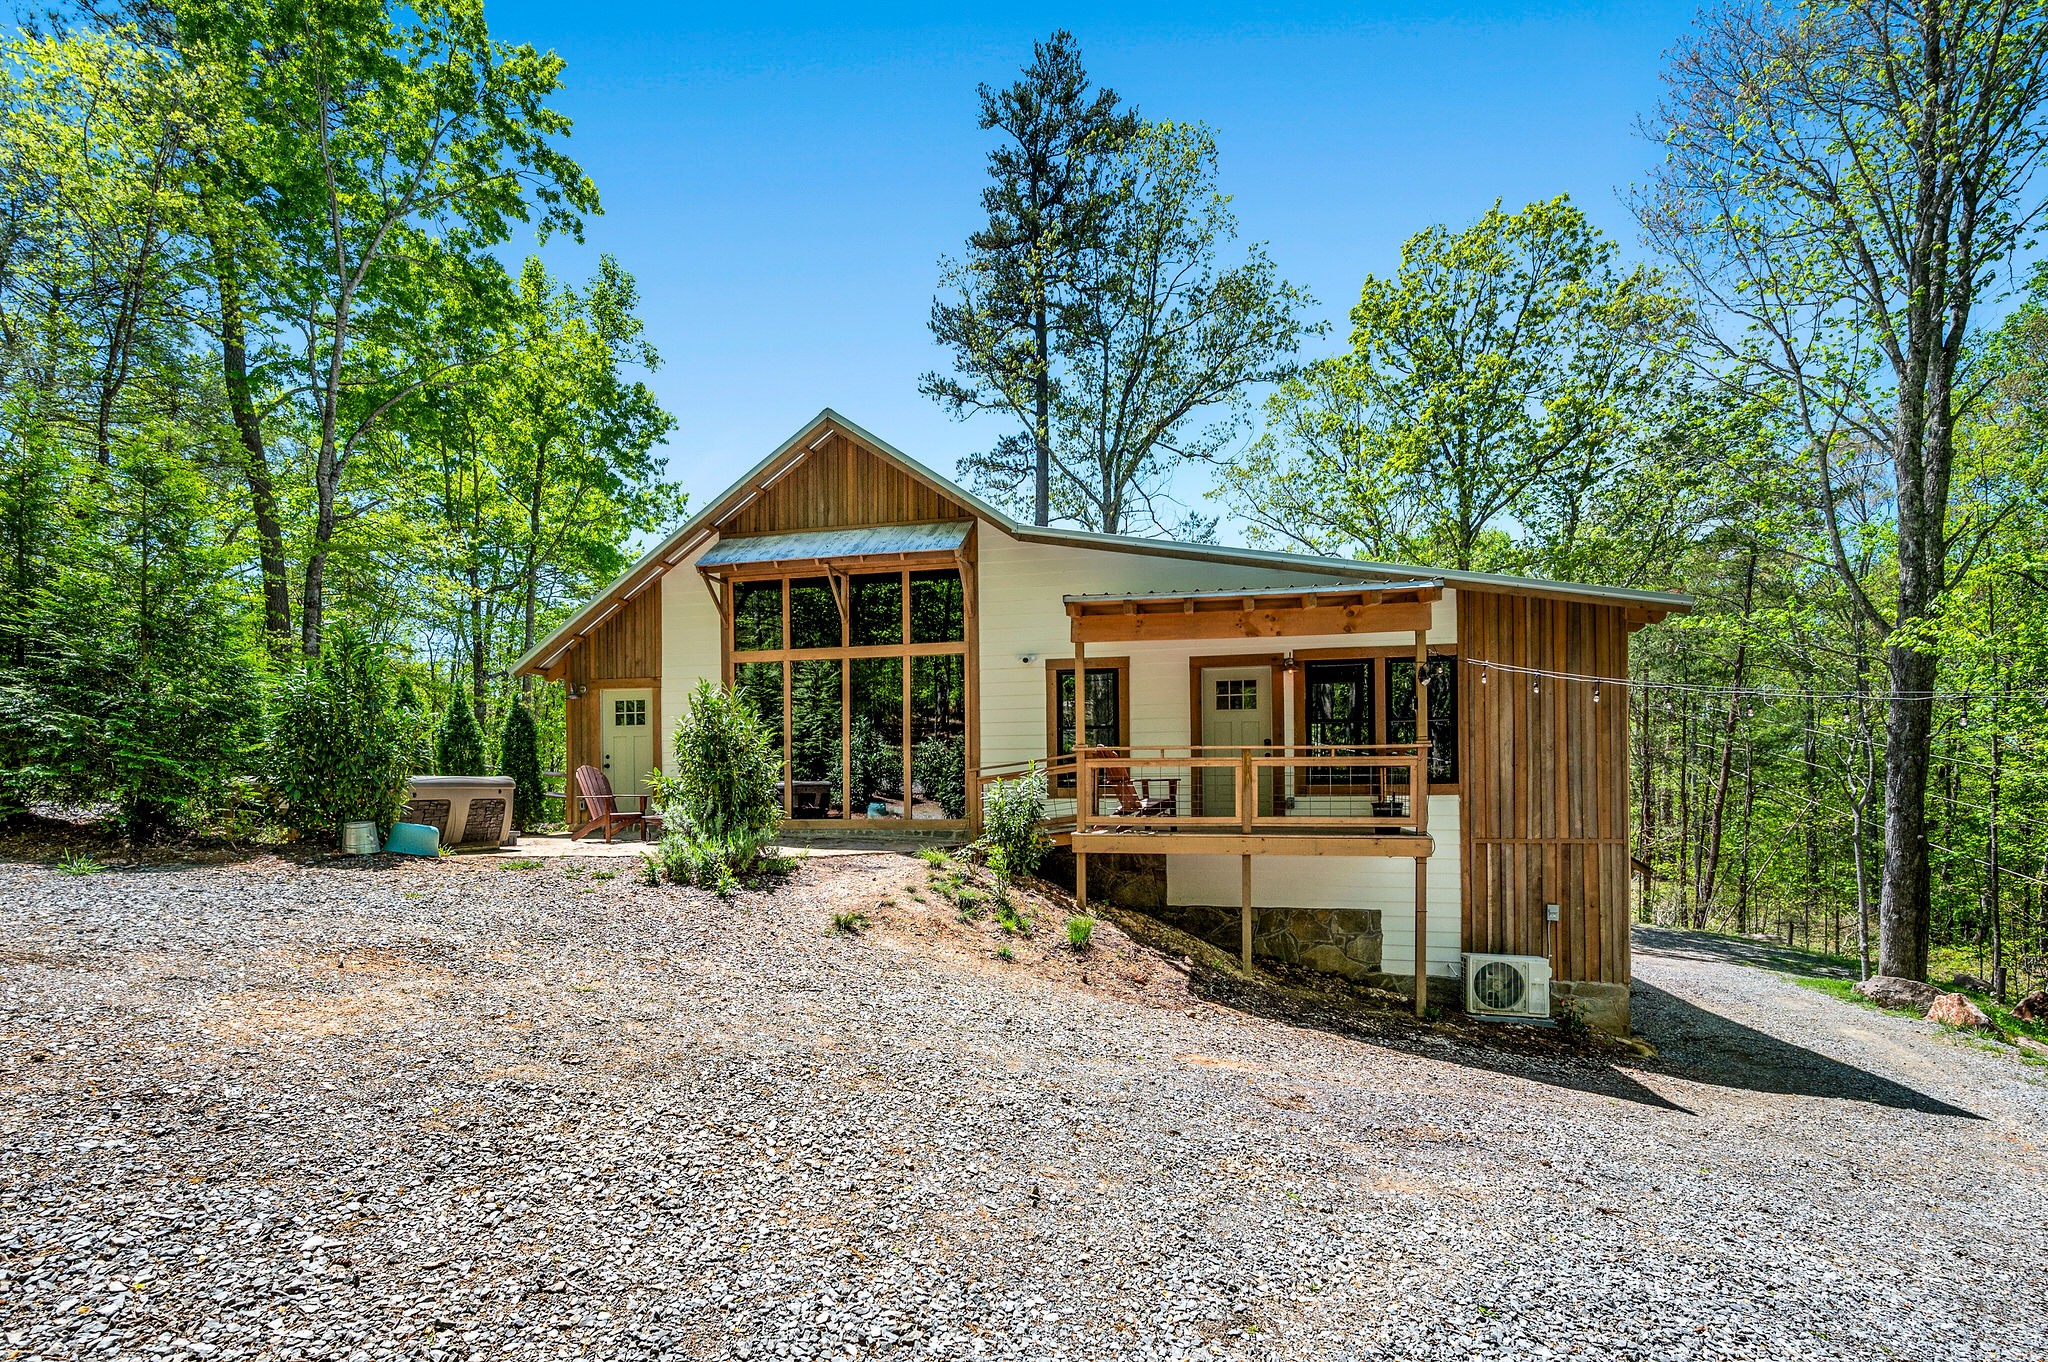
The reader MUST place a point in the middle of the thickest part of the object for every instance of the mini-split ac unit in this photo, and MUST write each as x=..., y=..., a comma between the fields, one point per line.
x=1507, y=986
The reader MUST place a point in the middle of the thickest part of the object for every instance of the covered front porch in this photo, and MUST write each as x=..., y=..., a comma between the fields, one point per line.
x=1262, y=776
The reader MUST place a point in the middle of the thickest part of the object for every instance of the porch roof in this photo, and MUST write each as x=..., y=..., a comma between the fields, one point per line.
x=1257, y=612
x=865, y=541
x=1305, y=592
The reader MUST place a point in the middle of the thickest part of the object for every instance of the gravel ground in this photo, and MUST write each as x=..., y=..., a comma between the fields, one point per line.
x=458, y=1111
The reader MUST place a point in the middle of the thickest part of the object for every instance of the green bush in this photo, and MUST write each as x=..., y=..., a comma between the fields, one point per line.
x=1011, y=812
x=1079, y=930
x=723, y=796
x=940, y=765
x=459, y=746
x=130, y=674
x=519, y=758
x=726, y=781
x=337, y=744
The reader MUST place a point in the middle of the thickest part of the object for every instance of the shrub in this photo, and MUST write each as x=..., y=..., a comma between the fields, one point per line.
x=940, y=765
x=519, y=758
x=727, y=781
x=935, y=857
x=337, y=749
x=849, y=924
x=459, y=746
x=1010, y=817
x=1079, y=930
x=129, y=671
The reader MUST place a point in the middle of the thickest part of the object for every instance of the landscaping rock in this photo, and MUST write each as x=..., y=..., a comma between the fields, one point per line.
x=1901, y=995
x=1953, y=1009
x=2033, y=1007
x=1969, y=983
x=2028, y=1045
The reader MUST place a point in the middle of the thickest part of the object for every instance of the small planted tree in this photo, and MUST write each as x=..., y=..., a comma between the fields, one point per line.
x=337, y=743
x=459, y=746
x=724, y=795
x=1011, y=814
x=519, y=758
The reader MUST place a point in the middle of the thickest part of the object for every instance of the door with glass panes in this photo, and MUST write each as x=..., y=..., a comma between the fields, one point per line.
x=628, y=742
x=1237, y=711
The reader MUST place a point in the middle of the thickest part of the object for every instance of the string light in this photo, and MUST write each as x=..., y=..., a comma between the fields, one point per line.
x=1759, y=694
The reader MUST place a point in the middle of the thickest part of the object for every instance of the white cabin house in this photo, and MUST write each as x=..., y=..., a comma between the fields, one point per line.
x=1248, y=763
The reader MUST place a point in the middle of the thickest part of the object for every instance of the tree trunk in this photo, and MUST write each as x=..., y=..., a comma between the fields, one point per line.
x=234, y=356
x=1710, y=836
x=1903, y=916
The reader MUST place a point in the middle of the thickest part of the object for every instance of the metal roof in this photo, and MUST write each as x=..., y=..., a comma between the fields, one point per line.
x=943, y=537
x=1255, y=592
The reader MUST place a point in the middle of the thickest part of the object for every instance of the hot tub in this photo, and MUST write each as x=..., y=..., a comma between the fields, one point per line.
x=465, y=810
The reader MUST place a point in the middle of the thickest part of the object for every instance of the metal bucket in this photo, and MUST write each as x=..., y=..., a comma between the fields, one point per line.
x=359, y=839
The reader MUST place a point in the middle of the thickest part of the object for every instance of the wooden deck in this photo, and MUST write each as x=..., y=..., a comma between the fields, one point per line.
x=1242, y=802
x=1307, y=842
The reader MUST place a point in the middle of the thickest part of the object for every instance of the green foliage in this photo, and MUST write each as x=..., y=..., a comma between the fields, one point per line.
x=78, y=863
x=519, y=758
x=723, y=798
x=849, y=924
x=1504, y=376
x=1080, y=929
x=1094, y=310
x=1011, y=812
x=459, y=745
x=726, y=781
x=127, y=671
x=337, y=746
x=935, y=857
x=940, y=765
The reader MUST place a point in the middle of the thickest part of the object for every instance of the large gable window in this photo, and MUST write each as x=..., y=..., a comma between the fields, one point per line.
x=861, y=678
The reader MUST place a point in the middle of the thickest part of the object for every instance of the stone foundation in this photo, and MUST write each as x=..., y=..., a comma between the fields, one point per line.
x=1344, y=942
x=1128, y=881
x=1604, y=1007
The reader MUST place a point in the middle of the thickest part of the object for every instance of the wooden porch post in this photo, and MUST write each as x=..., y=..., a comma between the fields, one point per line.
x=1418, y=798
x=1245, y=915
x=1421, y=934
x=1084, y=792
x=1081, y=882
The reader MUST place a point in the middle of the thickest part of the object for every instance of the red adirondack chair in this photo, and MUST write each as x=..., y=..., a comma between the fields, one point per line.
x=594, y=787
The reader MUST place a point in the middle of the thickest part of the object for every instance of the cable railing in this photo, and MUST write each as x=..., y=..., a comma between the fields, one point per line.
x=1263, y=789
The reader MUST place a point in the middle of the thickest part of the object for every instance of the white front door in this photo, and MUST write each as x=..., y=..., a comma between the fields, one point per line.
x=627, y=717
x=1237, y=711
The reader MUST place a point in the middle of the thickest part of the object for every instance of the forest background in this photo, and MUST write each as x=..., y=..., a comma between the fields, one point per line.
x=280, y=367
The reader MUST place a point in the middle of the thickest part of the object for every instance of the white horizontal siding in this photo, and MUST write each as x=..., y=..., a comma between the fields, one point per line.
x=1024, y=622
x=1383, y=882
x=690, y=644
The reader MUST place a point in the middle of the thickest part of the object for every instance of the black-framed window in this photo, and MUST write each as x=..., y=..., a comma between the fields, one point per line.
x=1337, y=711
x=1443, y=712
x=1105, y=709
x=757, y=616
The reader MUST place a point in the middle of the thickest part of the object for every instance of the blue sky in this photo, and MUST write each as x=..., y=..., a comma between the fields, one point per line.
x=783, y=179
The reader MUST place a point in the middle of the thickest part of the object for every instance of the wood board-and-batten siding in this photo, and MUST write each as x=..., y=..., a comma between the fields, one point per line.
x=1545, y=776
x=623, y=651
x=839, y=486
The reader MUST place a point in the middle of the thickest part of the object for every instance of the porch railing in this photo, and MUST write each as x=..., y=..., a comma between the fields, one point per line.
x=1245, y=789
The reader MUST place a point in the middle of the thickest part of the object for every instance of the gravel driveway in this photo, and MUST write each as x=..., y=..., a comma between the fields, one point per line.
x=453, y=1110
